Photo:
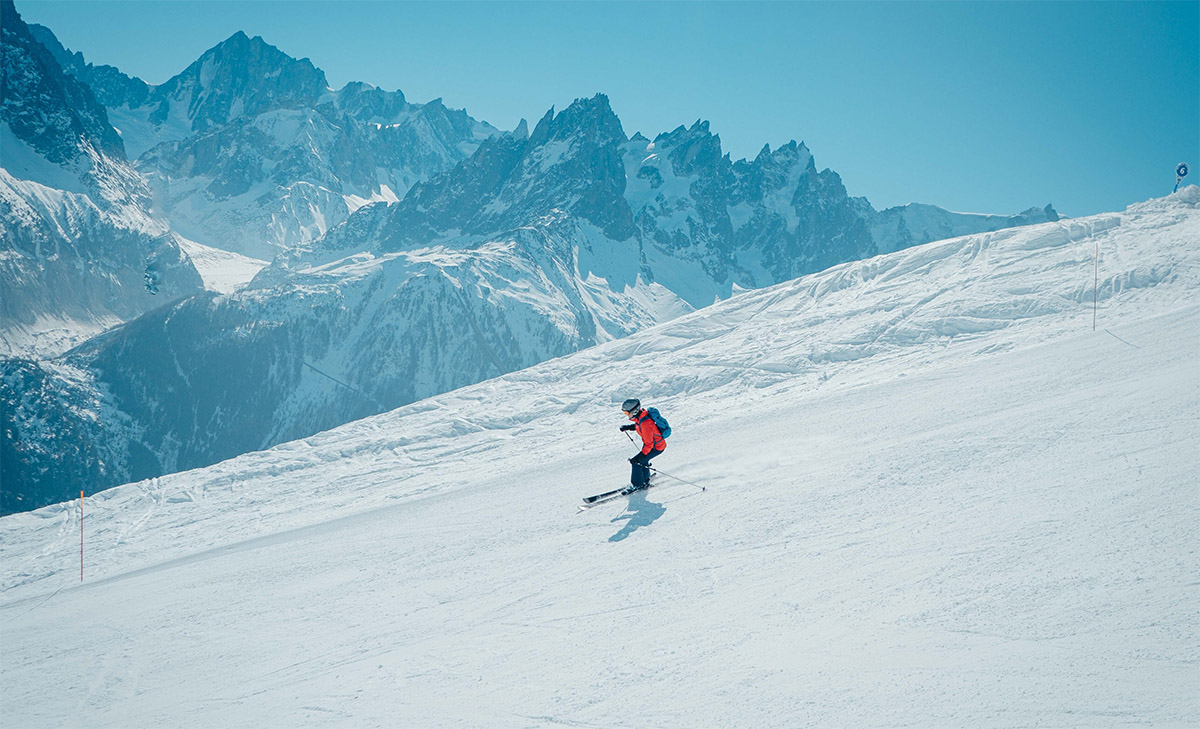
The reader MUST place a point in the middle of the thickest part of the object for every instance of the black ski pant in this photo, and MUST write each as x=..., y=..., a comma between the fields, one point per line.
x=641, y=474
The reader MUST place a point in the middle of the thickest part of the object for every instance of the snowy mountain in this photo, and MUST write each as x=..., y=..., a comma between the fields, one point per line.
x=942, y=490
x=80, y=250
x=701, y=223
x=913, y=224
x=249, y=150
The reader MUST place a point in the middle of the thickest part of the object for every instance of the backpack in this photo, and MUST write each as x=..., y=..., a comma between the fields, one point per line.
x=663, y=426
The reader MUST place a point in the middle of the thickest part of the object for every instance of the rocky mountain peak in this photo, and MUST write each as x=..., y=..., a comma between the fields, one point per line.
x=367, y=103
x=1050, y=213
x=786, y=155
x=111, y=87
x=240, y=76
x=570, y=163
x=65, y=58
x=541, y=131
x=690, y=149
x=51, y=111
x=591, y=119
x=573, y=162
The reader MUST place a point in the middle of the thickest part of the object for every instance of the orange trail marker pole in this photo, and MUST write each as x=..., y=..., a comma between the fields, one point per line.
x=81, y=535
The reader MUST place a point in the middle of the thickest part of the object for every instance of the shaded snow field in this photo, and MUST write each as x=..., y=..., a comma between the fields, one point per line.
x=936, y=498
x=223, y=271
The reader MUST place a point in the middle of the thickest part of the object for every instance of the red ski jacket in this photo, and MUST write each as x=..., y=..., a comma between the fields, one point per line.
x=652, y=439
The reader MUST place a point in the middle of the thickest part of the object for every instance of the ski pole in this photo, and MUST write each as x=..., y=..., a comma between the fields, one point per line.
x=689, y=483
x=652, y=468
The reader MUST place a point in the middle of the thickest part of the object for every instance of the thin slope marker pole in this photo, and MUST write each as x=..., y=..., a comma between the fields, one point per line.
x=1096, y=286
x=81, y=535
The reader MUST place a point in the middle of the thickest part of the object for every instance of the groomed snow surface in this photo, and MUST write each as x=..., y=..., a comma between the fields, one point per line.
x=935, y=498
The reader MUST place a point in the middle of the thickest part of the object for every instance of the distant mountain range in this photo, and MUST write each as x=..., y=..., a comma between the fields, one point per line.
x=416, y=250
x=250, y=150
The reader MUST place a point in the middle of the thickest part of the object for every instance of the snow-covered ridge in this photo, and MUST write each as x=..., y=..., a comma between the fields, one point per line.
x=72, y=268
x=861, y=323
x=79, y=250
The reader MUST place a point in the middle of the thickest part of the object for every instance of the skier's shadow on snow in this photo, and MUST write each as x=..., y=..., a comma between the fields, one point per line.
x=638, y=514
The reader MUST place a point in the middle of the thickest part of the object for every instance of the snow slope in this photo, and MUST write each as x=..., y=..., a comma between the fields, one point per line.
x=936, y=497
x=223, y=271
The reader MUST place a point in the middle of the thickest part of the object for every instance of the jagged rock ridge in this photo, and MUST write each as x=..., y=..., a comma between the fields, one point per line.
x=250, y=150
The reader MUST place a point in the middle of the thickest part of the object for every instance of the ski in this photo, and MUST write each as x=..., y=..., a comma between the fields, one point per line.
x=605, y=495
x=600, y=499
x=590, y=501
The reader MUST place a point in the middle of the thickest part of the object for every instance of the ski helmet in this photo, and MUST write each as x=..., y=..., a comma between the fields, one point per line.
x=632, y=405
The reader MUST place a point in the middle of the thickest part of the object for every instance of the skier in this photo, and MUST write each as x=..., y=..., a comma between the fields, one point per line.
x=653, y=443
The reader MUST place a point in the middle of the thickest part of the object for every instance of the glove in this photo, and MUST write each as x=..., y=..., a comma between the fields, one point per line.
x=631, y=426
x=636, y=460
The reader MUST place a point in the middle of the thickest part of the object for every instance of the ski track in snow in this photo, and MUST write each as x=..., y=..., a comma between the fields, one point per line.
x=936, y=497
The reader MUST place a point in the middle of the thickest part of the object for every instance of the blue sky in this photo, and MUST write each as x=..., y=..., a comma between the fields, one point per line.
x=976, y=106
